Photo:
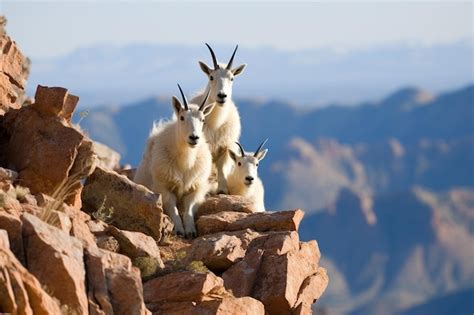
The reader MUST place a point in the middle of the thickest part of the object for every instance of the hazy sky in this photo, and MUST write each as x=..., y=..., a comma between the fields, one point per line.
x=47, y=28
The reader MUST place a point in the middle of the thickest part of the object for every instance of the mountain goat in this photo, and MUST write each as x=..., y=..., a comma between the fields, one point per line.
x=222, y=127
x=177, y=162
x=243, y=179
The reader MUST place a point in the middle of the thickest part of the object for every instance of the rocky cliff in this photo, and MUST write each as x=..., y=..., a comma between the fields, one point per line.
x=78, y=237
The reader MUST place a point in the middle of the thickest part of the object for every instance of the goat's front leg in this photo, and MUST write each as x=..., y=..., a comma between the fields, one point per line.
x=221, y=162
x=191, y=204
x=170, y=208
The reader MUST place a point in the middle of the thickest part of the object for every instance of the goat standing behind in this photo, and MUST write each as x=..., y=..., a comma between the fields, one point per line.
x=222, y=127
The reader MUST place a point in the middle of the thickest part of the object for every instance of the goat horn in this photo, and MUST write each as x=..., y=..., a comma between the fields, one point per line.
x=214, y=59
x=205, y=99
x=241, y=149
x=185, y=101
x=261, y=145
x=229, y=65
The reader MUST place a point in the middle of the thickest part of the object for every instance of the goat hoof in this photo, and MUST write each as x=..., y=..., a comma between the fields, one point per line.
x=222, y=192
x=191, y=235
x=179, y=232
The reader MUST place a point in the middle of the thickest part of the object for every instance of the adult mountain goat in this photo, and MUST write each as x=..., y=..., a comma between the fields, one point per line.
x=177, y=162
x=222, y=127
x=243, y=179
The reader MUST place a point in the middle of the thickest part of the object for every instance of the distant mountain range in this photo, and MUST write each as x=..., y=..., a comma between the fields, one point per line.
x=388, y=187
x=108, y=74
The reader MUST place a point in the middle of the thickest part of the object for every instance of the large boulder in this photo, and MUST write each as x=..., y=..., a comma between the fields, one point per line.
x=40, y=143
x=135, y=244
x=182, y=286
x=57, y=260
x=280, y=277
x=240, y=278
x=261, y=221
x=219, y=251
x=129, y=206
x=114, y=285
x=311, y=290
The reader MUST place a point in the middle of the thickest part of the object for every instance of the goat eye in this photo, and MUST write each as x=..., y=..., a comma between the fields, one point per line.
x=239, y=164
x=232, y=79
x=182, y=118
x=211, y=78
x=256, y=164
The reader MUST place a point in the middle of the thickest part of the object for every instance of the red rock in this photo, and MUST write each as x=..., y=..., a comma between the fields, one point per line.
x=281, y=276
x=312, y=288
x=13, y=73
x=109, y=243
x=219, y=251
x=81, y=231
x=45, y=150
x=12, y=224
x=182, y=286
x=219, y=203
x=12, y=62
x=56, y=259
x=221, y=306
x=240, y=278
x=261, y=222
x=302, y=309
x=278, y=243
x=55, y=101
x=133, y=207
x=136, y=244
x=114, y=285
x=60, y=220
x=97, y=226
x=4, y=242
x=21, y=292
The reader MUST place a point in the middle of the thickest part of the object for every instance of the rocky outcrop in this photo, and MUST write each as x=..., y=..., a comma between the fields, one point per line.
x=262, y=221
x=14, y=68
x=105, y=247
x=129, y=206
x=57, y=261
x=49, y=154
x=114, y=285
x=20, y=291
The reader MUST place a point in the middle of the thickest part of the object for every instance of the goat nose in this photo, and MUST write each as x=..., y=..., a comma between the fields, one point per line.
x=249, y=178
x=222, y=95
x=193, y=137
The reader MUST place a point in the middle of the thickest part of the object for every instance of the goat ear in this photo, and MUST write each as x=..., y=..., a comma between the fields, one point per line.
x=261, y=154
x=204, y=68
x=239, y=69
x=177, y=105
x=233, y=155
x=208, y=108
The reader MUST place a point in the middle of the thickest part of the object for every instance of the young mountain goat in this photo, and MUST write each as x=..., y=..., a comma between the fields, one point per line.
x=243, y=179
x=177, y=163
x=222, y=127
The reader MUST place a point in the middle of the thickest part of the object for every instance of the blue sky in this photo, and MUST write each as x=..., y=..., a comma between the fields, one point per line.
x=45, y=29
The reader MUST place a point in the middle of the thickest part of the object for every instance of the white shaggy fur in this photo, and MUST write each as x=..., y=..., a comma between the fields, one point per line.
x=243, y=179
x=178, y=166
x=222, y=127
